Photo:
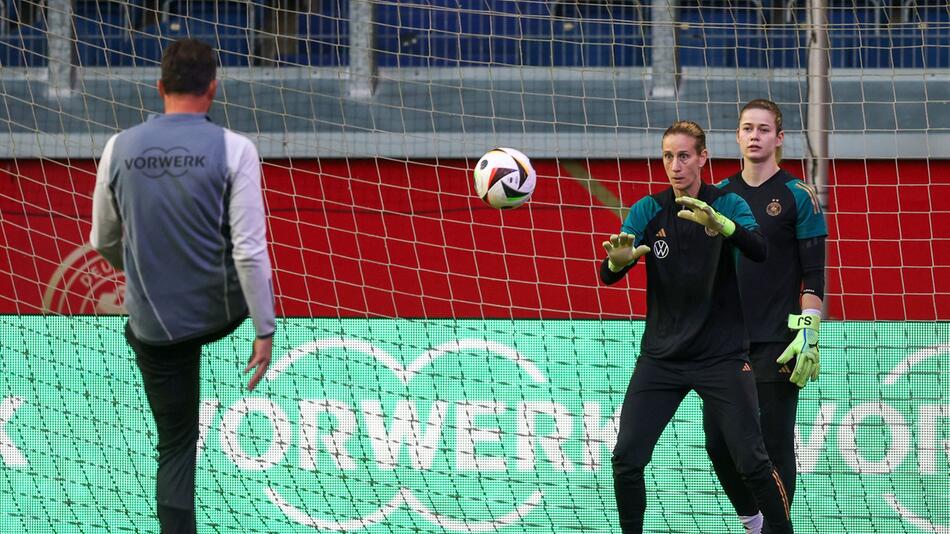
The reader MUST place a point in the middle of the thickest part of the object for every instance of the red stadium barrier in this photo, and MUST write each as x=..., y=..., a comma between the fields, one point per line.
x=368, y=238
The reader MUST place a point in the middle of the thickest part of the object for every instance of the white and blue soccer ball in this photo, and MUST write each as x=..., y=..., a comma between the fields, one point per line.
x=504, y=178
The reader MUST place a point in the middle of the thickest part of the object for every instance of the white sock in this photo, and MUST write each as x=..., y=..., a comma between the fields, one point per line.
x=752, y=523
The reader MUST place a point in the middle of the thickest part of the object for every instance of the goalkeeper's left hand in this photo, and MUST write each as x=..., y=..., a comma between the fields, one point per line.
x=804, y=348
x=702, y=213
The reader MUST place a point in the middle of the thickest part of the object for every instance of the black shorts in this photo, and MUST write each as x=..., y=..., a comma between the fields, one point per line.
x=763, y=356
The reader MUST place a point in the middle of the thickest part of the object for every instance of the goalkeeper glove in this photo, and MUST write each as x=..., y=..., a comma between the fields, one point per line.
x=620, y=251
x=702, y=213
x=804, y=347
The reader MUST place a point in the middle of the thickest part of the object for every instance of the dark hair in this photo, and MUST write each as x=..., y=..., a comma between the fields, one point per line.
x=188, y=67
x=691, y=129
x=767, y=105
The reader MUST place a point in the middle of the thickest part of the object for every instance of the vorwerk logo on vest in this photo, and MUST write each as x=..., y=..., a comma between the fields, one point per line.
x=156, y=162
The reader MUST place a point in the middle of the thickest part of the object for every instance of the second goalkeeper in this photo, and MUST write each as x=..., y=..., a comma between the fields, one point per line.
x=783, y=295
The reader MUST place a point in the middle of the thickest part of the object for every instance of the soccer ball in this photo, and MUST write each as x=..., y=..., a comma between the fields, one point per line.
x=504, y=178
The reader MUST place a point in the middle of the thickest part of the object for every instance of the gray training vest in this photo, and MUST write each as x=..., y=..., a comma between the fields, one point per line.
x=170, y=180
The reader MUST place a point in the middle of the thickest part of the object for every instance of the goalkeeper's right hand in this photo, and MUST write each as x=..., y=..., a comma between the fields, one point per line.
x=620, y=251
x=804, y=348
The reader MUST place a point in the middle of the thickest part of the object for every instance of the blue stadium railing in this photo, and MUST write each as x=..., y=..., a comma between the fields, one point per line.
x=434, y=33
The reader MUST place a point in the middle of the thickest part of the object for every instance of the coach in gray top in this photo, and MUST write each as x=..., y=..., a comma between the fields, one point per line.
x=178, y=206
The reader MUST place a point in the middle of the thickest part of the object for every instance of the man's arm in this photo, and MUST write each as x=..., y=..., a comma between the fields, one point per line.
x=106, y=234
x=249, y=238
x=249, y=233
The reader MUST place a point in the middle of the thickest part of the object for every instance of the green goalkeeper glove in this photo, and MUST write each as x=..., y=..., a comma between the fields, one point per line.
x=702, y=213
x=804, y=347
x=620, y=251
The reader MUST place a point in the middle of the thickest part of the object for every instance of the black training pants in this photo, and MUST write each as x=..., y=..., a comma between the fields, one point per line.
x=727, y=387
x=171, y=377
x=778, y=408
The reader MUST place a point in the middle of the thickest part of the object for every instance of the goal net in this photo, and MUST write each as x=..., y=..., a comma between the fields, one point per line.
x=439, y=365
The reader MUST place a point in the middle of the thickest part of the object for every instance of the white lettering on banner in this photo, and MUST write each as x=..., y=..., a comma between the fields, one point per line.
x=899, y=442
x=231, y=441
x=807, y=454
x=927, y=436
x=405, y=496
x=596, y=436
x=209, y=407
x=552, y=444
x=467, y=435
x=421, y=440
x=405, y=425
x=912, y=518
x=387, y=444
x=405, y=374
x=12, y=457
x=540, y=427
x=905, y=366
x=335, y=442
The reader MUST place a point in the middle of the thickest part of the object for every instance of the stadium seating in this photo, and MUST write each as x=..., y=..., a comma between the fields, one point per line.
x=717, y=33
x=714, y=36
x=22, y=44
x=223, y=24
x=102, y=30
x=508, y=33
x=326, y=34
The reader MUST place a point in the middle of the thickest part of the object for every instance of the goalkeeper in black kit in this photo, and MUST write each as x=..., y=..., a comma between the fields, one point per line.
x=783, y=295
x=695, y=336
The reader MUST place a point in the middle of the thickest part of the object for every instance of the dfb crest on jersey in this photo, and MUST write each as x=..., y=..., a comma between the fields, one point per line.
x=774, y=208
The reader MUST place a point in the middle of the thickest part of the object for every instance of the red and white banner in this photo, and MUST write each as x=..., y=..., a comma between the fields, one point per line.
x=381, y=238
